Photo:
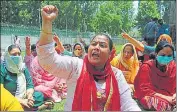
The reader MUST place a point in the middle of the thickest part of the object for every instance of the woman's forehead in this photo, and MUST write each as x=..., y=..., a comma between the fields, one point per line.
x=166, y=50
x=128, y=47
x=78, y=45
x=101, y=38
x=15, y=50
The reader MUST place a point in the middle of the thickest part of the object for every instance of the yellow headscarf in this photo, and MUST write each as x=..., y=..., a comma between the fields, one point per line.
x=165, y=36
x=131, y=65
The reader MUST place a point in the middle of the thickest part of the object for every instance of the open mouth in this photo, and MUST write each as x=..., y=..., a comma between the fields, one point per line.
x=95, y=55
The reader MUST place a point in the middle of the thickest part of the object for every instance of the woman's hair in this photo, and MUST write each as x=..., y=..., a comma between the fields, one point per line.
x=108, y=37
x=159, y=47
x=33, y=47
x=75, y=46
x=12, y=47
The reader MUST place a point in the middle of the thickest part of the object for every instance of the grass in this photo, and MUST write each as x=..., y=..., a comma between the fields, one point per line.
x=57, y=106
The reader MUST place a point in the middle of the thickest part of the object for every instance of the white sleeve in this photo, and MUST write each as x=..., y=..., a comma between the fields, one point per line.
x=55, y=64
x=126, y=101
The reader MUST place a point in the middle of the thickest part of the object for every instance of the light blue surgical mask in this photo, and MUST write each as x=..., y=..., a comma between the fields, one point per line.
x=164, y=60
x=16, y=59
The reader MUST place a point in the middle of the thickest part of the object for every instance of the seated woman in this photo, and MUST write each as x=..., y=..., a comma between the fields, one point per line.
x=127, y=62
x=17, y=80
x=52, y=87
x=93, y=84
x=78, y=50
x=155, y=83
x=142, y=46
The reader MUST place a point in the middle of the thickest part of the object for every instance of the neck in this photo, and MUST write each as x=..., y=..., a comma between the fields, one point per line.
x=99, y=68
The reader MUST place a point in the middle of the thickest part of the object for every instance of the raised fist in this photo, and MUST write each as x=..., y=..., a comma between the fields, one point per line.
x=49, y=13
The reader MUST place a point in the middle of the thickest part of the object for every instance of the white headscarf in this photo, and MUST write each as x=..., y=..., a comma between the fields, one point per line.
x=19, y=70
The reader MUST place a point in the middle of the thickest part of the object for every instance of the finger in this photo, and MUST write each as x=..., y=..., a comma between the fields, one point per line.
x=43, y=12
x=46, y=8
x=52, y=8
x=31, y=103
x=31, y=99
x=56, y=10
x=26, y=105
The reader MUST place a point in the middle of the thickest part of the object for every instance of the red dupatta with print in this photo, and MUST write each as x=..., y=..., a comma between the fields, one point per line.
x=151, y=80
x=85, y=97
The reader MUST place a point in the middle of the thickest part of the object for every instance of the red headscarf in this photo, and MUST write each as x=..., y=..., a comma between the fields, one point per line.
x=85, y=98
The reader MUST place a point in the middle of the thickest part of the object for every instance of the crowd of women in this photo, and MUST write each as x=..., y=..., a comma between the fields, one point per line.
x=91, y=77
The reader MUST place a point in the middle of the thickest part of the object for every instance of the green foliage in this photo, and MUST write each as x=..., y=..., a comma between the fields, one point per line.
x=113, y=16
x=118, y=48
x=146, y=11
x=81, y=16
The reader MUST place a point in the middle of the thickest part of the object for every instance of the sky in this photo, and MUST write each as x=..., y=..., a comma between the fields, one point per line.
x=135, y=5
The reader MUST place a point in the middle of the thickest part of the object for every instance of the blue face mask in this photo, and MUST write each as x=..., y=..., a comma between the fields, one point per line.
x=16, y=59
x=164, y=60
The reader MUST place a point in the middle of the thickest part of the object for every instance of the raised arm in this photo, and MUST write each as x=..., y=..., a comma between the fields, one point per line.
x=49, y=60
x=135, y=42
x=59, y=43
x=49, y=13
x=28, y=46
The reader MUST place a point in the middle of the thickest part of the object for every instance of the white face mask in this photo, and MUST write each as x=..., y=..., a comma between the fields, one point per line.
x=16, y=59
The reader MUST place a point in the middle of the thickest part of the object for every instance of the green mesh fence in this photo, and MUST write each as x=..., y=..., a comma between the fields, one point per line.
x=35, y=31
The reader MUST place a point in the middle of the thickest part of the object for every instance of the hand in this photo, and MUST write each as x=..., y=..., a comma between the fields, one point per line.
x=132, y=88
x=56, y=38
x=49, y=13
x=81, y=40
x=27, y=42
x=144, y=43
x=113, y=54
x=126, y=74
x=30, y=97
x=24, y=102
x=174, y=96
x=125, y=35
x=30, y=100
x=174, y=99
x=169, y=99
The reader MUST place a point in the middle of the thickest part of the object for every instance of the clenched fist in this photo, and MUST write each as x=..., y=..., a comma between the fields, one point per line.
x=49, y=13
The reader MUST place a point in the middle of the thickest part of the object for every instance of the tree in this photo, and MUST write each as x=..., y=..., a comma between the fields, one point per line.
x=113, y=16
x=146, y=10
x=169, y=12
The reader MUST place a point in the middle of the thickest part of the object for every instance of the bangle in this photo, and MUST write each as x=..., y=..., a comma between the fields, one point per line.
x=46, y=32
